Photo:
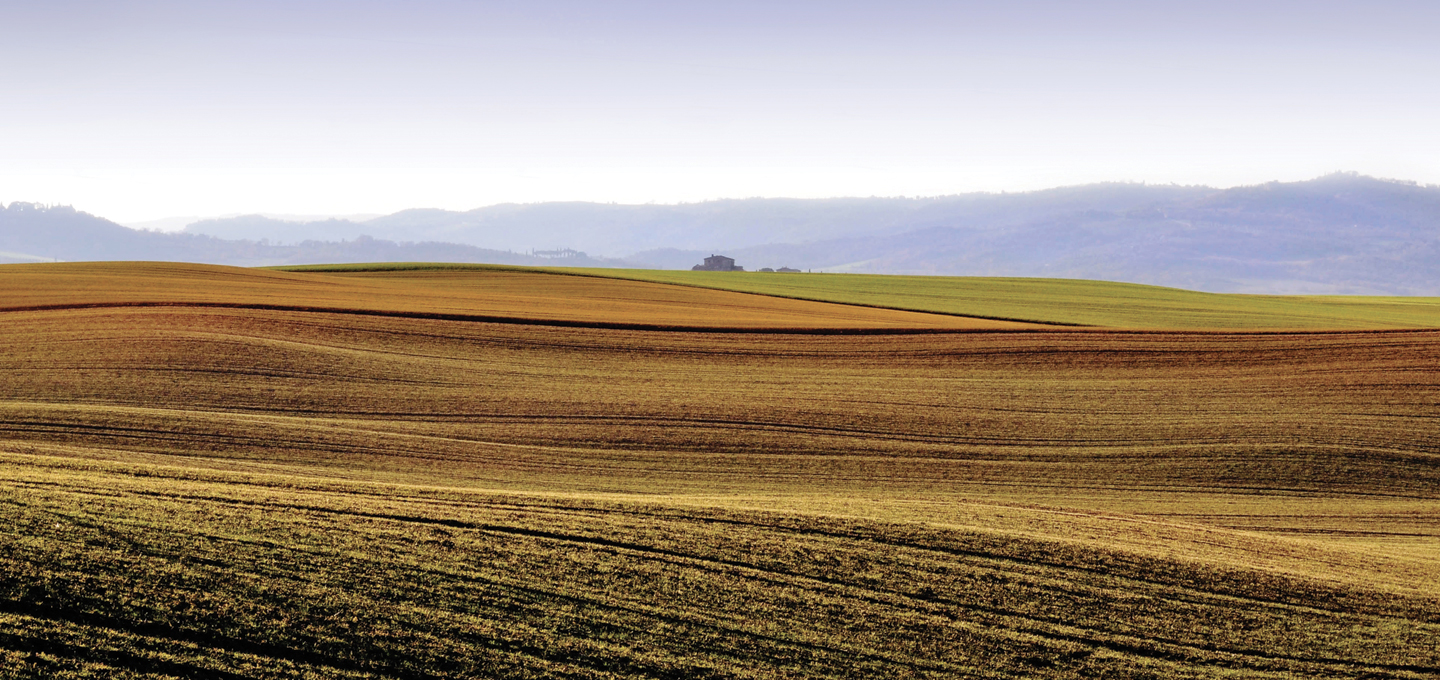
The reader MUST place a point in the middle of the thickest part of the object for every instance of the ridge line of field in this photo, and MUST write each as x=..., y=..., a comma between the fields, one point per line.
x=562, y=271
x=1036, y=300
x=893, y=308
x=1015, y=319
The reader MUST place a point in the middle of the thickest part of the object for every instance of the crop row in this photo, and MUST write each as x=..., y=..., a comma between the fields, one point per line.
x=371, y=579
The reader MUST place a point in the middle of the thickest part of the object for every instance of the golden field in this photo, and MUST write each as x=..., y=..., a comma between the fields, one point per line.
x=218, y=472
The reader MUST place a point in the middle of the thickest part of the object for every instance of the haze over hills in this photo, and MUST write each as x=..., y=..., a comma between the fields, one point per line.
x=1342, y=233
x=612, y=230
x=1337, y=234
x=35, y=233
x=179, y=223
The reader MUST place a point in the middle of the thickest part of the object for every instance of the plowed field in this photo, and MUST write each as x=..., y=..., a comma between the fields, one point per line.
x=456, y=474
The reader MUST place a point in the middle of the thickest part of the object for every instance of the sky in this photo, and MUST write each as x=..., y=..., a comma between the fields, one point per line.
x=145, y=109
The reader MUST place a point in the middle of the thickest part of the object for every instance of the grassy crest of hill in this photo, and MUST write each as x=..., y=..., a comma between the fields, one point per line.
x=1068, y=301
x=1046, y=301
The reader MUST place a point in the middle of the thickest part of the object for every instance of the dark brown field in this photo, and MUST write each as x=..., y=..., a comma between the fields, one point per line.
x=397, y=476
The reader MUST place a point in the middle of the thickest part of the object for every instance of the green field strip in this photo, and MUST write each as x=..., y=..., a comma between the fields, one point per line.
x=1069, y=301
x=1066, y=302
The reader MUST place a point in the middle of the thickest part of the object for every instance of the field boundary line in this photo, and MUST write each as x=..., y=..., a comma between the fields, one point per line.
x=561, y=271
x=600, y=273
x=562, y=323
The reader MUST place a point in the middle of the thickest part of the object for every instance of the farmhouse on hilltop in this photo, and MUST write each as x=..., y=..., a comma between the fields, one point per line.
x=718, y=263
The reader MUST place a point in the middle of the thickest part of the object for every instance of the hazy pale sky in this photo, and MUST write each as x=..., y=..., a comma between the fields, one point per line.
x=145, y=109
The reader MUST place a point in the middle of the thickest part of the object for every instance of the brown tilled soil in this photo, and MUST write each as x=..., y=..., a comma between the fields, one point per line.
x=279, y=487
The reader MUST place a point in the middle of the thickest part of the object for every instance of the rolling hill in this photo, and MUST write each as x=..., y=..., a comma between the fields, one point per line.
x=219, y=472
x=1058, y=302
x=484, y=293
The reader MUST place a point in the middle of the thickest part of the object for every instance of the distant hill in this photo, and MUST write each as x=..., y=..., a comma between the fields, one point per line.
x=36, y=233
x=620, y=230
x=1342, y=233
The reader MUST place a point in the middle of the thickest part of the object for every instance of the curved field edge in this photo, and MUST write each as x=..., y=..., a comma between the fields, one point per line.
x=1064, y=302
x=156, y=570
x=498, y=296
x=506, y=320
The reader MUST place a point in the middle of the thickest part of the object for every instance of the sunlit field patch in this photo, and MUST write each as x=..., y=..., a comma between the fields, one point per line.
x=1069, y=301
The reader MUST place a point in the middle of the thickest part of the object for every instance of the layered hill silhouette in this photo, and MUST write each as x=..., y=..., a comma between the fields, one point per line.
x=36, y=233
x=1343, y=233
